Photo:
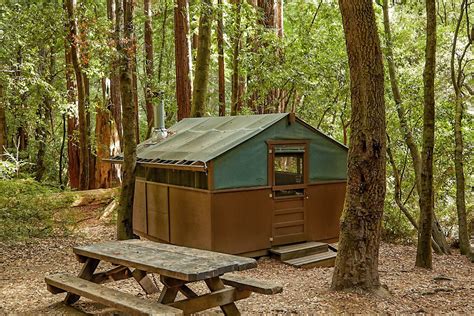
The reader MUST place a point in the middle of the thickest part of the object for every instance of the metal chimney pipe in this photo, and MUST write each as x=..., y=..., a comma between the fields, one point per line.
x=159, y=129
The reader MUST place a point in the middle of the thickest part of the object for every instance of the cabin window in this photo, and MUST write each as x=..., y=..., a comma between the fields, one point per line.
x=288, y=165
x=185, y=178
x=288, y=170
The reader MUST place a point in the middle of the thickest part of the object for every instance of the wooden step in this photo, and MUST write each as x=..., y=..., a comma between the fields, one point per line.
x=323, y=259
x=99, y=293
x=299, y=250
x=333, y=246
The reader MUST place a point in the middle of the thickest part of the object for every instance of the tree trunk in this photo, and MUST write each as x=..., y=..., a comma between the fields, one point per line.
x=423, y=253
x=437, y=233
x=357, y=257
x=116, y=15
x=183, y=58
x=135, y=86
x=103, y=170
x=149, y=89
x=72, y=123
x=124, y=212
x=457, y=81
x=3, y=123
x=201, y=75
x=83, y=133
x=43, y=113
x=235, y=103
x=220, y=58
x=398, y=197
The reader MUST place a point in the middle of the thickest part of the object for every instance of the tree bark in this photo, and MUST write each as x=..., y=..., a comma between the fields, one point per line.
x=201, y=75
x=81, y=98
x=437, y=233
x=423, y=253
x=236, y=98
x=124, y=212
x=457, y=76
x=357, y=257
x=220, y=58
x=149, y=64
x=183, y=58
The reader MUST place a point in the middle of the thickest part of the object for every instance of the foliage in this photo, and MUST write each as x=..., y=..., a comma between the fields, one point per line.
x=29, y=209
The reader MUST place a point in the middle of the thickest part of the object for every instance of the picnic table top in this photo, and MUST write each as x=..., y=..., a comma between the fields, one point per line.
x=187, y=264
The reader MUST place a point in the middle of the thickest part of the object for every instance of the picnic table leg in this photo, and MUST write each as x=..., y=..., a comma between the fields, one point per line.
x=145, y=282
x=86, y=273
x=216, y=284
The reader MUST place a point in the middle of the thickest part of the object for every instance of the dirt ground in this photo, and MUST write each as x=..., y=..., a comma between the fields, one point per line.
x=448, y=288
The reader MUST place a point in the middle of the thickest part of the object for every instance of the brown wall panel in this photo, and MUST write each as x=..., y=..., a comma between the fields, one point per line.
x=157, y=205
x=139, y=208
x=242, y=221
x=324, y=207
x=190, y=218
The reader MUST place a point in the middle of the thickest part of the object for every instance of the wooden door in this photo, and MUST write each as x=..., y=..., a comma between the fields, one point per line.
x=288, y=176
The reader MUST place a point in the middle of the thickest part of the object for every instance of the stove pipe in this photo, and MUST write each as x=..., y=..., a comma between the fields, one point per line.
x=159, y=129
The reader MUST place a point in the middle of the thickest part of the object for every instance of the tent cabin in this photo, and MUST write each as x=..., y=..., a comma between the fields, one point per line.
x=240, y=184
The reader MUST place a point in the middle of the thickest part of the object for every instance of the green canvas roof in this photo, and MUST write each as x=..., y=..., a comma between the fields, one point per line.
x=202, y=139
x=194, y=141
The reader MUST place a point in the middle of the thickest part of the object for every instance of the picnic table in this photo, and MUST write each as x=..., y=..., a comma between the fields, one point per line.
x=177, y=266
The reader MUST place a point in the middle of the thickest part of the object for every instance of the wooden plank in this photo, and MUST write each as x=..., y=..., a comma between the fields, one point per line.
x=217, y=298
x=216, y=284
x=249, y=284
x=113, y=298
x=168, y=295
x=145, y=282
x=86, y=273
x=172, y=261
x=243, y=263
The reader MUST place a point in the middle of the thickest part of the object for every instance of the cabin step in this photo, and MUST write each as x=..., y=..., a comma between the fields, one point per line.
x=299, y=250
x=333, y=246
x=323, y=259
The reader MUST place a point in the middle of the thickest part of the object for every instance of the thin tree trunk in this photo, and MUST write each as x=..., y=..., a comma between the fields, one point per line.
x=201, y=75
x=437, y=233
x=357, y=257
x=183, y=58
x=117, y=15
x=220, y=58
x=423, y=253
x=236, y=77
x=124, y=212
x=398, y=196
x=83, y=134
x=149, y=69
x=456, y=79
x=3, y=123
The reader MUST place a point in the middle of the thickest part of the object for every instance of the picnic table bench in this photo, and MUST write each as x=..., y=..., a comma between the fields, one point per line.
x=177, y=267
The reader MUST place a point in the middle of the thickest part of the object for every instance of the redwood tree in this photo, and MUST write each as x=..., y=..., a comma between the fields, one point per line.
x=124, y=213
x=201, y=74
x=73, y=37
x=220, y=58
x=183, y=58
x=423, y=251
x=357, y=257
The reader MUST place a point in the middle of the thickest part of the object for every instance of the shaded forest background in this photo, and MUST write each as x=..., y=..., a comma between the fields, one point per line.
x=60, y=102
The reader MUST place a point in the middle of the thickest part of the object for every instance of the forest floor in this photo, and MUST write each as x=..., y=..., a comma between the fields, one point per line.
x=448, y=288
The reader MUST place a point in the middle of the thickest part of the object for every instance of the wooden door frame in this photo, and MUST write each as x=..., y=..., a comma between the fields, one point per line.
x=271, y=144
